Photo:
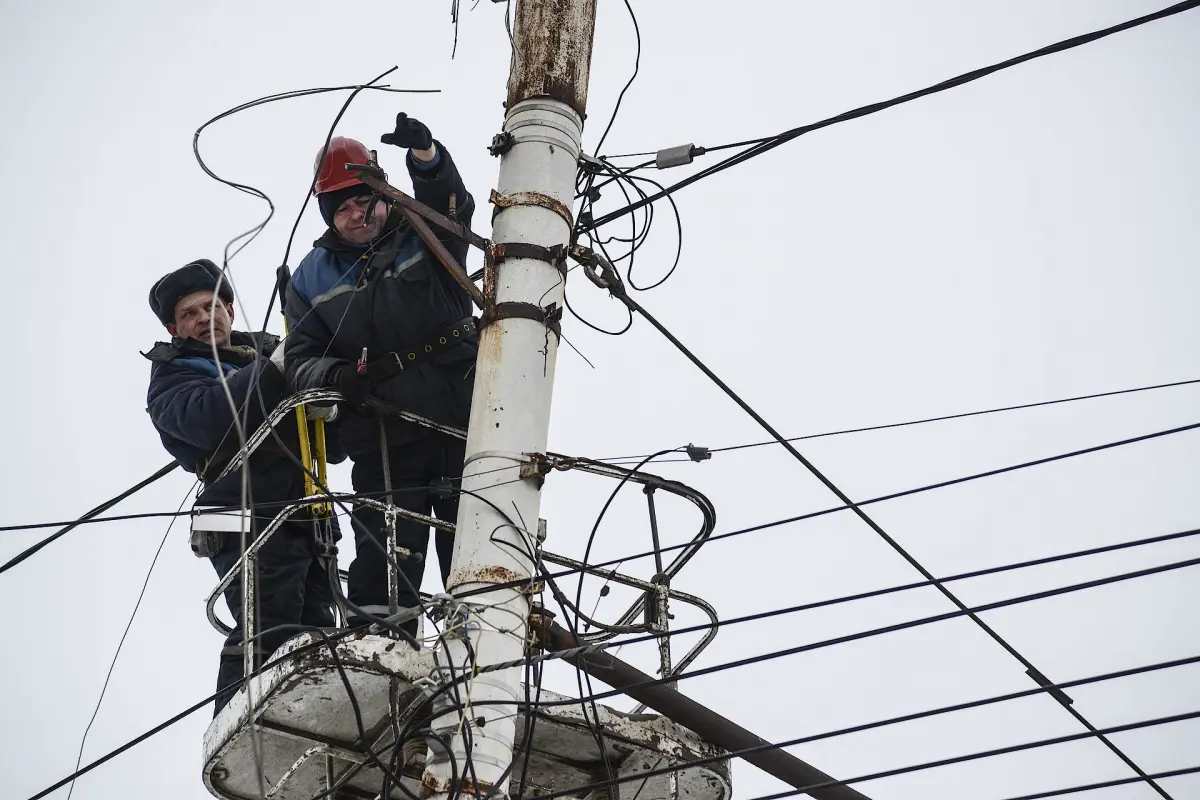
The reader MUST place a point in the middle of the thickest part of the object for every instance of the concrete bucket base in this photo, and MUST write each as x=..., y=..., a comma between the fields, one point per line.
x=307, y=737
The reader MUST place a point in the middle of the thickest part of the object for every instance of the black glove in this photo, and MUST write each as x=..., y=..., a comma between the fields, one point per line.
x=409, y=133
x=355, y=388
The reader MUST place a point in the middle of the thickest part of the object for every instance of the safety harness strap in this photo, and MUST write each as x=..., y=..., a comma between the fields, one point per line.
x=391, y=364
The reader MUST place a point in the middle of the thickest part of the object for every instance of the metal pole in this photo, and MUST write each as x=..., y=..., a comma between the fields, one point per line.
x=510, y=413
x=710, y=725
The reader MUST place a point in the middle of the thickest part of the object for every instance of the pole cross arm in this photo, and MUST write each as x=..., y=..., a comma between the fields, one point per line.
x=710, y=725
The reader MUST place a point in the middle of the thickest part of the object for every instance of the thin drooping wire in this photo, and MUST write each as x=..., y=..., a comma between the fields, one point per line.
x=637, y=62
x=759, y=146
x=893, y=543
x=117, y=654
x=926, y=420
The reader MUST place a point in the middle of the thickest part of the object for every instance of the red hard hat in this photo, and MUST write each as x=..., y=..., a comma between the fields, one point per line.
x=332, y=173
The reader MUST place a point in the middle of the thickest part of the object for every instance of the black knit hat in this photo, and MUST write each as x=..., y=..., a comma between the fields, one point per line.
x=198, y=276
x=330, y=202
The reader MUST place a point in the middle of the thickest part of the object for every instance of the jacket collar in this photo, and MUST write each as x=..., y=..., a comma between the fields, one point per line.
x=241, y=350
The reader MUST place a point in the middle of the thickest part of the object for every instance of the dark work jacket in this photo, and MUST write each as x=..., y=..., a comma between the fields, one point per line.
x=387, y=297
x=191, y=413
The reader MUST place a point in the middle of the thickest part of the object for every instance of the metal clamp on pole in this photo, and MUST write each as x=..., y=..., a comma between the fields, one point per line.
x=550, y=316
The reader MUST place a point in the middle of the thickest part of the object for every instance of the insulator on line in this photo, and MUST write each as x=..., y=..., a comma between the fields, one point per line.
x=677, y=156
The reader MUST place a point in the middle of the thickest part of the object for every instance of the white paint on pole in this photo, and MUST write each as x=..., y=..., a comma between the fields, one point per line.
x=510, y=413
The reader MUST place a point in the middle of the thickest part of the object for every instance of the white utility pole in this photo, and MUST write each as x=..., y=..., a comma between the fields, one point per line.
x=510, y=415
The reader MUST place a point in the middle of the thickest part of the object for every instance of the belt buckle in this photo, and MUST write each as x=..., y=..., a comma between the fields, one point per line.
x=399, y=363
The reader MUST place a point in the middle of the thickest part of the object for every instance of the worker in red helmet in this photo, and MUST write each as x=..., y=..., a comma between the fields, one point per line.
x=372, y=313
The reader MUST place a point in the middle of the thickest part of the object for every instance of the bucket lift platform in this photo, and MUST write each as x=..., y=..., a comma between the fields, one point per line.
x=303, y=728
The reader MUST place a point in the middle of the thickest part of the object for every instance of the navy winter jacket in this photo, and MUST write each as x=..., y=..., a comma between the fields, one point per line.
x=191, y=412
x=387, y=297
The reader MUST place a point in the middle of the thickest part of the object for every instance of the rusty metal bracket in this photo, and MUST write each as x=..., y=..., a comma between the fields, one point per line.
x=416, y=213
x=503, y=201
x=550, y=316
x=443, y=255
x=536, y=468
x=556, y=255
x=451, y=226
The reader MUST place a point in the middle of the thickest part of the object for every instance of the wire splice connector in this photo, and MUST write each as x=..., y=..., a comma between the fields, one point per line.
x=677, y=156
x=697, y=453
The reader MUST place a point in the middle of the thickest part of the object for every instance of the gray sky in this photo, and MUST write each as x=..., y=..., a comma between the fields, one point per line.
x=1026, y=237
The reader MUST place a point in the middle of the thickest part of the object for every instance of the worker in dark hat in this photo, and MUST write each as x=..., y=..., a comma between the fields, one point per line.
x=192, y=379
x=373, y=314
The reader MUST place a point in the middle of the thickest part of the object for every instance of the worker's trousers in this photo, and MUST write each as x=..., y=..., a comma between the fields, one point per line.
x=424, y=478
x=292, y=588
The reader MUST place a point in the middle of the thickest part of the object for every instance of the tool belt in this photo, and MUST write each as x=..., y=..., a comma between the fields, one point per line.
x=211, y=526
x=392, y=364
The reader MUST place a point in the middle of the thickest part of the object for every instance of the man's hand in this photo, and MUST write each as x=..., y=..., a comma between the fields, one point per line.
x=327, y=413
x=277, y=356
x=355, y=388
x=409, y=133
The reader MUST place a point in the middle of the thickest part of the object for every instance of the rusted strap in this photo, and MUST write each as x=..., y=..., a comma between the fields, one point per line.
x=452, y=226
x=550, y=316
x=556, y=255
x=503, y=201
x=443, y=255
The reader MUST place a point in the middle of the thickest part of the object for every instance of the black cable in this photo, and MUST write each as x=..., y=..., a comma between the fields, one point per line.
x=98, y=510
x=911, y=717
x=654, y=682
x=852, y=637
x=120, y=644
x=904, y=587
x=760, y=146
x=182, y=715
x=893, y=496
x=998, y=751
x=637, y=62
x=926, y=420
x=220, y=509
x=573, y=624
x=1030, y=669
x=1174, y=773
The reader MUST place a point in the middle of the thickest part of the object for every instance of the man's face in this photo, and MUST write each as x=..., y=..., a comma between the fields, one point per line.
x=197, y=318
x=351, y=223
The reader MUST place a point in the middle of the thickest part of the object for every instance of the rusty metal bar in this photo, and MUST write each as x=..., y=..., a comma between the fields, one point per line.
x=452, y=226
x=710, y=725
x=443, y=255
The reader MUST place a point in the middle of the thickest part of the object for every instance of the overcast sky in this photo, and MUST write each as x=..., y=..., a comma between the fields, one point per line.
x=1027, y=237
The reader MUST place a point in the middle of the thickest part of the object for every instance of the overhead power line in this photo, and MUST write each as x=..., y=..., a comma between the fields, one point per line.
x=999, y=751
x=944, y=710
x=760, y=146
x=737, y=664
x=1032, y=671
x=95, y=512
x=882, y=498
x=926, y=420
x=1089, y=787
